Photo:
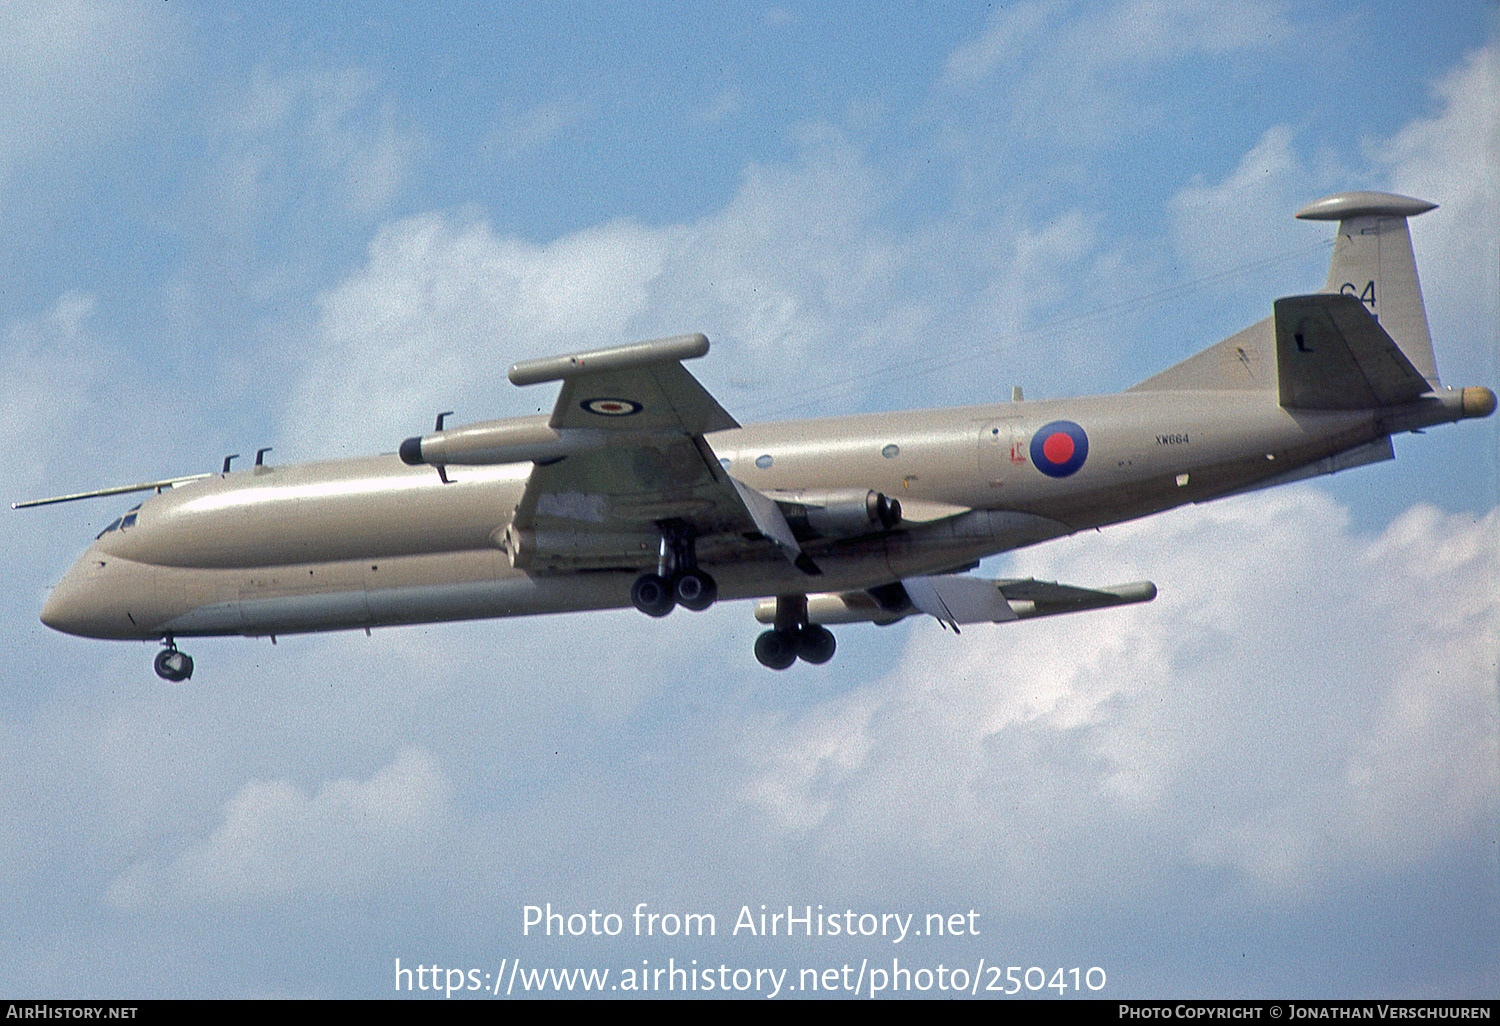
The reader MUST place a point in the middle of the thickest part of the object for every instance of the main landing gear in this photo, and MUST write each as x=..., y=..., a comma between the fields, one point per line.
x=678, y=579
x=172, y=664
x=793, y=638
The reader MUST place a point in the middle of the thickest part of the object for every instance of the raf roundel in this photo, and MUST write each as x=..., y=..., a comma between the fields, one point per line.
x=1059, y=448
x=606, y=407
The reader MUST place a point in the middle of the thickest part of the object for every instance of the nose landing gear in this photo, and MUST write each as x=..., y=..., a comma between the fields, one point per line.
x=173, y=665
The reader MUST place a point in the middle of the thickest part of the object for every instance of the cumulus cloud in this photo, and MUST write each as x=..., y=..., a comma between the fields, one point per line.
x=802, y=287
x=1303, y=702
x=443, y=305
x=1246, y=214
x=792, y=264
x=297, y=136
x=1124, y=33
x=64, y=382
x=791, y=273
x=1051, y=70
x=1453, y=158
x=1006, y=35
x=277, y=839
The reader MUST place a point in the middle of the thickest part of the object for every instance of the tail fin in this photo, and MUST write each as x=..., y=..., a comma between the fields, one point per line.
x=1373, y=261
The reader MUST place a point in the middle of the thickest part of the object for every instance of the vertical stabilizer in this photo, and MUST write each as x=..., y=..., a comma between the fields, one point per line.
x=1373, y=261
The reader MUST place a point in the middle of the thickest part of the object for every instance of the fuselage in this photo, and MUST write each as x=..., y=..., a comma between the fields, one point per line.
x=371, y=542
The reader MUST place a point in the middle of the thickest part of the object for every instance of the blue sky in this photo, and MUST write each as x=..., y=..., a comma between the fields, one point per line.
x=222, y=229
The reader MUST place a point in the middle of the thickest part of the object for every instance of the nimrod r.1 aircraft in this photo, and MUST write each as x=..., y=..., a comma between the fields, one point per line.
x=639, y=489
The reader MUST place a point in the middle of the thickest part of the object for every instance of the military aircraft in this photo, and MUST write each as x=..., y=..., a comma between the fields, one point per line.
x=640, y=489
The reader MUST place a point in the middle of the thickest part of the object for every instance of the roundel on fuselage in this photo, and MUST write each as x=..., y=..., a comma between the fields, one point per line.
x=1059, y=448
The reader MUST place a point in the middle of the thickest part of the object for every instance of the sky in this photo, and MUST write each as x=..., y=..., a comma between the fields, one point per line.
x=223, y=228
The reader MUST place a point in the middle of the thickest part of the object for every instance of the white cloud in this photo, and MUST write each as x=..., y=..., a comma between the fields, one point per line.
x=1007, y=35
x=1159, y=30
x=1454, y=154
x=523, y=133
x=359, y=137
x=1453, y=158
x=793, y=266
x=64, y=385
x=75, y=72
x=277, y=840
x=792, y=278
x=291, y=141
x=1070, y=74
x=1301, y=703
x=443, y=306
x=1248, y=214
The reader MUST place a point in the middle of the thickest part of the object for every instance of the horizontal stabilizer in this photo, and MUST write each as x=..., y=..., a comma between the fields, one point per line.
x=1331, y=354
x=955, y=599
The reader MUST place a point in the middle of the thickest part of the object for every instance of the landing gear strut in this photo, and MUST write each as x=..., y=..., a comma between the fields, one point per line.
x=678, y=580
x=793, y=638
x=172, y=664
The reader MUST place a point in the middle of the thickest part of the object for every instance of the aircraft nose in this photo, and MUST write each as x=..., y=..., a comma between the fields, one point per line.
x=72, y=607
x=85, y=603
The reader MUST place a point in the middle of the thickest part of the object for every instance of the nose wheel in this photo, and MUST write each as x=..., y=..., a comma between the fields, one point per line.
x=678, y=580
x=172, y=664
x=793, y=637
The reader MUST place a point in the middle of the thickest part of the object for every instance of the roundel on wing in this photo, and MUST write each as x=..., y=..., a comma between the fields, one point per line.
x=606, y=406
x=1059, y=448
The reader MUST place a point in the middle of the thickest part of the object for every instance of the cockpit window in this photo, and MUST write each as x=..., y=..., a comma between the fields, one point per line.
x=120, y=523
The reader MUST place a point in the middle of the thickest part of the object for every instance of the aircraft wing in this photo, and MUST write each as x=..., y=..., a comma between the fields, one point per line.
x=637, y=388
x=651, y=465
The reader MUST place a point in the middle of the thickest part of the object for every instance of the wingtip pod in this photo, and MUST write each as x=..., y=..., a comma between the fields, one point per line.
x=558, y=368
x=1344, y=205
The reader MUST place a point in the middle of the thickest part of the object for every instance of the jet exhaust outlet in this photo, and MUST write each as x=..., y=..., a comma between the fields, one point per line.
x=844, y=514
